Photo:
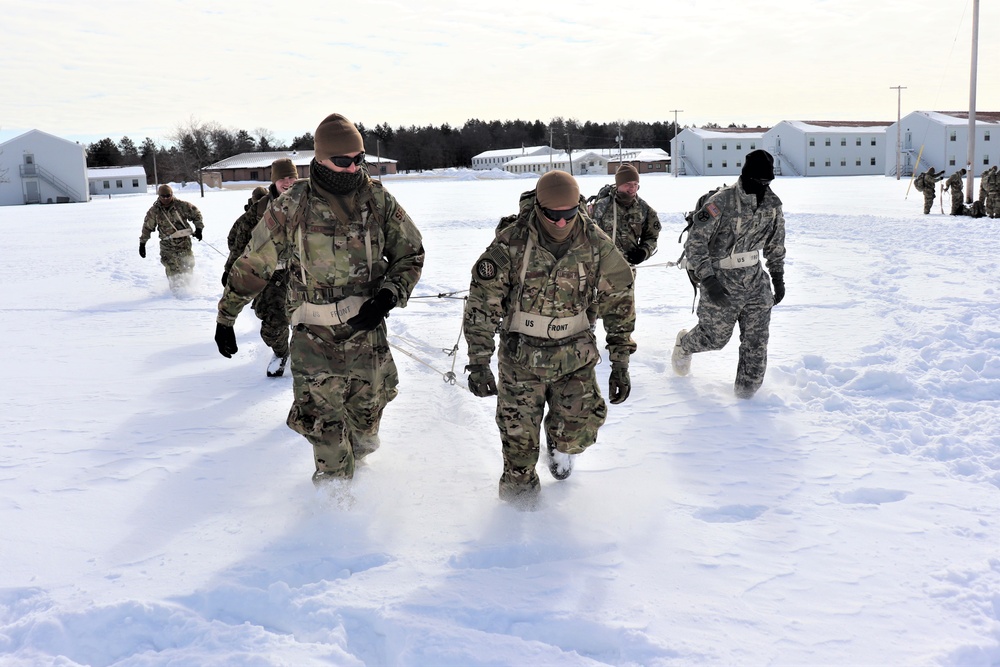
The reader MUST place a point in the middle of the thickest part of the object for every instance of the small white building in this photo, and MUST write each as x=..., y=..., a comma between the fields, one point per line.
x=497, y=159
x=645, y=160
x=257, y=166
x=582, y=162
x=116, y=180
x=715, y=151
x=39, y=168
x=941, y=140
x=827, y=148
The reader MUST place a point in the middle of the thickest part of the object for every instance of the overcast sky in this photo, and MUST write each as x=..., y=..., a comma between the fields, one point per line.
x=85, y=71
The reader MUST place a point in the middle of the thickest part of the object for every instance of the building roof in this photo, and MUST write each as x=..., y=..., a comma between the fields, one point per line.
x=554, y=157
x=961, y=117
x=264, y=160
x=116, y=172
x=24, y=134
x=727, y=132
x=510, y=152
x=640, y=155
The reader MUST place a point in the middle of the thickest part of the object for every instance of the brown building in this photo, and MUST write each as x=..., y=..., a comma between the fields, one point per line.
x=257, y=166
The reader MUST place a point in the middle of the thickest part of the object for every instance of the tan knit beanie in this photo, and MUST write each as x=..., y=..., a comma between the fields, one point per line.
x=557, y=189
x=258, y=193
x=337, y=136
x=281, y=168
x=165, y=191
x=626, y=174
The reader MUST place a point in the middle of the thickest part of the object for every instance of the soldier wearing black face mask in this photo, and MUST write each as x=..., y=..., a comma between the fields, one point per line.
x=733, y=232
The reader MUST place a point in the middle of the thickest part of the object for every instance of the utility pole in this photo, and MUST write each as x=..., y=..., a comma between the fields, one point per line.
x=972, y=103
x=674, y=164
x=899, y=110
x=619, y=140
x=569, y=154
x=551, y=166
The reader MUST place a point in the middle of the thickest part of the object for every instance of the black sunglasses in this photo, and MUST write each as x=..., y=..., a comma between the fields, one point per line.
x=343, y=161
x=556, y=216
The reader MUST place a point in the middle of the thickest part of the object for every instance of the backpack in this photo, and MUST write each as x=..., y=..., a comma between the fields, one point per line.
x=689, y=218
x=607, y=190
x=920, y=182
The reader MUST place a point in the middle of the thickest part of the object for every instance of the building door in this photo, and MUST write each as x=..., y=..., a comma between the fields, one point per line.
x=29, y=165
x=31, y=192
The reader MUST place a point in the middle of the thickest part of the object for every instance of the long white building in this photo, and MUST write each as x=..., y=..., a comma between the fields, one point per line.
x=581, y=162
x=941, y=140
x=497, y=159
x=715, y=151
x=827, y=148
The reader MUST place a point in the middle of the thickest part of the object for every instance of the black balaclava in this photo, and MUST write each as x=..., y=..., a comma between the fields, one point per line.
x=757, y=174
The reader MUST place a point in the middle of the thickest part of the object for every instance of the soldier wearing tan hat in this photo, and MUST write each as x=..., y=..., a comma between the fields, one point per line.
x=546, y=279
x=173, y=220
x=627, y=218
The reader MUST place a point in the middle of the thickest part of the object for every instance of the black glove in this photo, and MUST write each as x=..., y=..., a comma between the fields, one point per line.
x=225, y=338
x=717, y=294
x=619, y=384
x=373, y=311
x=778, y=279
x=225, y=277
x=636, y=255
x=481, y=380
x=197, y=233
x=142, y=249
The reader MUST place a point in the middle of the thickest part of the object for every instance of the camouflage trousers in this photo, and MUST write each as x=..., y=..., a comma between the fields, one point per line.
x=928, y=200
x=270, y=307
x=340, y=386
x=957, y=202
x=993, y=203
x=751, y=309
x=576, y=411
x=177, y=261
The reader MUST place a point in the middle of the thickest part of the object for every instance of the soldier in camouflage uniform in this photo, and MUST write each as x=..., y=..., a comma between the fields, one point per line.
x=926, y=183
x=729, y=233
x=170, y=217
x=627, y=218
x=954, y=184
x=269, y=305
x=352, y=255
x=991, y=180
x=542, y=283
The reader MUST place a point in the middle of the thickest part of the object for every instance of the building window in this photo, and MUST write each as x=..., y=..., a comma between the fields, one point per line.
x=724, y=165
x=843, y=141
x=739, y=165
x=986, y=159
x=812, y=162
x=135, y=182
x=708, y=147
x=873, y=162
x=873, y=141
x=812, y=142
x=709, y=165
x=857, y=142
x=118, y=184
x=753, y=146
x=827, y=142
x=951, y=162
x=952, y=136
x=107, y=185
x=739, y=147
x=826, y=163
x=857, y=163
x=253, y=176
x=843, y=162
x=986, y=136
x=724, y=146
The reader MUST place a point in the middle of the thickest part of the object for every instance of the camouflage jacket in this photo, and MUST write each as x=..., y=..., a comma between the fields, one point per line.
x=239, y=234
x=727, y=223
x=321, y=239
x=168, y=220
x=927, y=181
x=638, y=224
x=954, y=182
x=592, y=277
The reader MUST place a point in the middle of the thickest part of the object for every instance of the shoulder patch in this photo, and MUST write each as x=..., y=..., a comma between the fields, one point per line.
x=486, y=269
x=713, y=210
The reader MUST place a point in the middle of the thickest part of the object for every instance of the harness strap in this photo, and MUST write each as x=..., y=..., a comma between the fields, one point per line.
x=327, y=314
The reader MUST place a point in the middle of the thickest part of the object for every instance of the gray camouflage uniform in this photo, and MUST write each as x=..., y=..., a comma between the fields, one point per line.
x=728, y=223
x=342, y=378
x=954, y=184
x=591, y=276
x=172, y=223
x=926, y=183
x=638, y=225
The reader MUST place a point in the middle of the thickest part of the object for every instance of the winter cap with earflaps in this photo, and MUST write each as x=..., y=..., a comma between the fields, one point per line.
x=337, y=136
x=281, y=168
x=165, y=191
x=557, y=189
x=759, y=166
x=626, y=174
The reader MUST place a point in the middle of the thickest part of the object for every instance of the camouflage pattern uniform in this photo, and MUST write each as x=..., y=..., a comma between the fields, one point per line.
x=992, y=180
x=269, y=305
x=926, y=183
x=171, y=222
x=638, y=225
x=954, y=184
x=592, y=277
x=342, y=378
x=729, y=223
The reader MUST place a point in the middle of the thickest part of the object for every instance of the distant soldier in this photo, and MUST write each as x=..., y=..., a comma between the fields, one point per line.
x=352, y=254
x=992, y=201
x=954, y=184
x=735, y=229
x=926, y=183
x=624, y=216
x=269, y=305
x=171, y=217
x=543, y=283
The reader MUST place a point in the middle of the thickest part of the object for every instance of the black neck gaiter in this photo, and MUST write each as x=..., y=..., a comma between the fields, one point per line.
x=336, y=182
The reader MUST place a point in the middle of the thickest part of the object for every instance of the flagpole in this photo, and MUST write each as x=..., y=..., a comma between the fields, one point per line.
x=972, y=103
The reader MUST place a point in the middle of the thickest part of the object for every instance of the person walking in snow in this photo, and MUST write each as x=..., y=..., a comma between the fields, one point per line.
x=729, y=233
x=926, y=183
x=352, y=255
x=172, y=219
x=269, y=305
x=954, y=184
x=993, y=192
x=542, y=283
x=631, y=223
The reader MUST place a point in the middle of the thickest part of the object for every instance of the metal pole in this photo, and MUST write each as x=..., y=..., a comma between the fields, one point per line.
x=899, y=136
x=972, y=103
x=674, y=164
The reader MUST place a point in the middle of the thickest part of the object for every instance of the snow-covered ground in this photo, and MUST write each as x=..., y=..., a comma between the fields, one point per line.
x=155, y=509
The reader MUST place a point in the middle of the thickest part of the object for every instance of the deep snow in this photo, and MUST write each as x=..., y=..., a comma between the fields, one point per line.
x=156, y=510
